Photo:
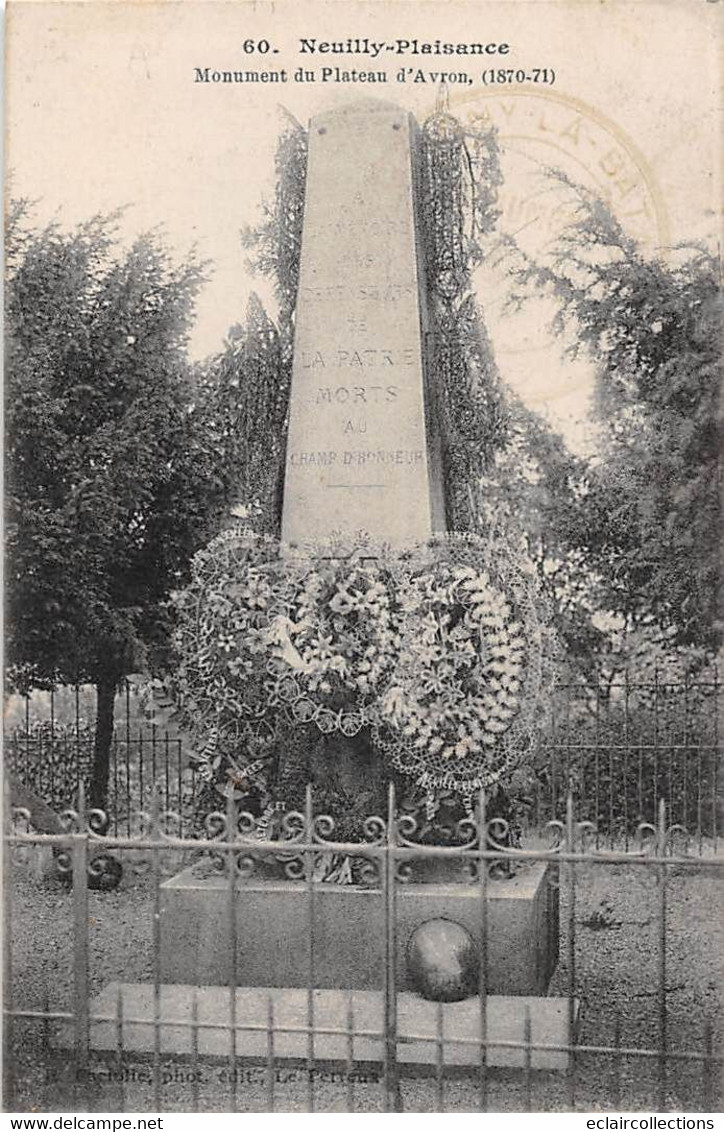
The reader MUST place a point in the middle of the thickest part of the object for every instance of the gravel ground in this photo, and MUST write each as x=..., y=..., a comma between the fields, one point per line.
x=616, y=965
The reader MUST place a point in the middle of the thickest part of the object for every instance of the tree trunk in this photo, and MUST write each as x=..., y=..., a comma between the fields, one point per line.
x=106, y=698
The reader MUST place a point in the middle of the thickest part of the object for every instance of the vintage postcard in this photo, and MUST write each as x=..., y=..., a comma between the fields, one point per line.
x=362, y=531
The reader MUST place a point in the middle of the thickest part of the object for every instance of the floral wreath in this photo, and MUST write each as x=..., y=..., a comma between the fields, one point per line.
x=440, y=650
x=474, y=669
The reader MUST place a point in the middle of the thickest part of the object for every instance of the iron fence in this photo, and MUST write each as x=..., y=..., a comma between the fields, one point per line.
x=635, y=975
x=625, y=744
x=49, y=745
x=620, y=745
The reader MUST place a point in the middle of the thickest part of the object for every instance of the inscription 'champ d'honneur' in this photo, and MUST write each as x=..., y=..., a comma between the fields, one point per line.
x=358, y=457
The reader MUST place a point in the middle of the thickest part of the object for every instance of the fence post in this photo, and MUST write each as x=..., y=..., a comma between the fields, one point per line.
x=483, y=972
x=709, y=1068
x=656, y=745
x=127, y=697
x=528, y=1058
x=76, y=717
x=231, y=896
x=350, y=1052
x=393, y=1100
x=52, y=752
x=155, y=832
x=626, y=742
x=119, y=1048
x=662, y=879
x=309, y=872
x=270, y=1059
x=8, y=1043
x=597, y=758
x=571, y=951
x=715, y=767
x=79, y=860
x=27, y=737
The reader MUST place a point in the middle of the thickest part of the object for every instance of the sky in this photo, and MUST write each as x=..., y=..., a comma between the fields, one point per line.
x=103, y=110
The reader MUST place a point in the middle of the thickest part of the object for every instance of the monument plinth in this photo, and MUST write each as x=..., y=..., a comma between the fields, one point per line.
x=271, y=928
x=361, y=455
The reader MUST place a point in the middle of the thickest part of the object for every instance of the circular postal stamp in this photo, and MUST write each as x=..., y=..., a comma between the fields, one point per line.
x=542, y=130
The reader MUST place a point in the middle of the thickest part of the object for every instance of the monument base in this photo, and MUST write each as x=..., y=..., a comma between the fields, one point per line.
x=131, y=1013
x=272, y=926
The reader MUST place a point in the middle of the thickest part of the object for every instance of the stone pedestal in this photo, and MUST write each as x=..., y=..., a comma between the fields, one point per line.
x=273, y=923
x=422, y=1032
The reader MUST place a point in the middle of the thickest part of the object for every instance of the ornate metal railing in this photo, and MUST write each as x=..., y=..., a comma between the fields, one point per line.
x=238, y=843
x=620, y=746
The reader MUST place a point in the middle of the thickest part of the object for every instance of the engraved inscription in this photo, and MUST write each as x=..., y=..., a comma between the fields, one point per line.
x=376, y=228
x=356, y=394
x=312, y=459
x=312, y=359
x=358, y=457
x=357, y=440
x=361, y=359
x=338, y=292
x=382, y=456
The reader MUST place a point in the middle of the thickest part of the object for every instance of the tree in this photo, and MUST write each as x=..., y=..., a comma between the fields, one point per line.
x=243, y=406
x=653, y=331
x=538, y=491
x=108, y=477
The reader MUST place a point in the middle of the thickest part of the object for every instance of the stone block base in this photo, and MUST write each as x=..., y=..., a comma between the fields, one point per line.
x=273, y=920
x=423, y=1028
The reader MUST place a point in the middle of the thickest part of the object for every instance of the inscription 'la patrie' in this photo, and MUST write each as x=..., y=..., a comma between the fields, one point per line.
x=360, y=313
x=362, y=358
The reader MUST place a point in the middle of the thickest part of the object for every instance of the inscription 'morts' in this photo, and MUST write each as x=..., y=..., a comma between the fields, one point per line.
x=356, y=394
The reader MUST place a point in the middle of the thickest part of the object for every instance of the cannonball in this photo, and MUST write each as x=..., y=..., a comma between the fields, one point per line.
x=443, y=961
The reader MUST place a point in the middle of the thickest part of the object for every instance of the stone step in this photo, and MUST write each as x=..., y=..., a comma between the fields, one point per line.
x=420, y=1024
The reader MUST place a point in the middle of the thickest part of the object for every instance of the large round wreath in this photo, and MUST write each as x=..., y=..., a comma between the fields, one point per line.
x=439, y=651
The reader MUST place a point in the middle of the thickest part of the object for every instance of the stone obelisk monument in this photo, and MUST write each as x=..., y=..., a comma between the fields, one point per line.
x=361, y=452
x=362, y=456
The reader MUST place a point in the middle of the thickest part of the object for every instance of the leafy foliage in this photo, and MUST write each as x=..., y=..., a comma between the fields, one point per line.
x=277, y=241
x=459, y=177
x=52, y=759
x=651, y=506
x=247, y=386
x=244, y=400
x=106, y=496
x=537, y=492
